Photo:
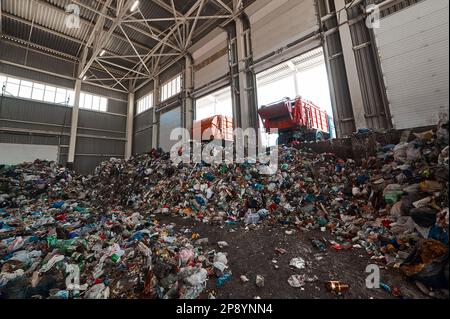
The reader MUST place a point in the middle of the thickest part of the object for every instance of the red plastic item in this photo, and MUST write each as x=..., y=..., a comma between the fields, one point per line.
x=341, y=247
x=61, y=217
x=386, y=223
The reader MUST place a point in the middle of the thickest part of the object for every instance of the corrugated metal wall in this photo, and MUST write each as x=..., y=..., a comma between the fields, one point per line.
x=414, y=45
x=171, y=72
x=15, y=54
x=143, y=123
x=100, y=135
x=30, y=122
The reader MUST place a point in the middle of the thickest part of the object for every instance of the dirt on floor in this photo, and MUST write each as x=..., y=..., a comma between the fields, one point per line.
x=251, y=252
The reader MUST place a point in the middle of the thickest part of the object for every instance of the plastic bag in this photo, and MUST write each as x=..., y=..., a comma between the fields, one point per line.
x=198, y=278
x=427, y=263
x=252, y=219
x=297, y=281
x=413, y=152
x=400, y=152
x=99, y=291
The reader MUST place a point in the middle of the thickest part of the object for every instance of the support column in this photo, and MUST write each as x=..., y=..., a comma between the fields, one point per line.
x=188, y=111
x=74, y=124
x=350, y=65
x=155, y=127
x=334, y=105
x=241, y=55
x=130, y=120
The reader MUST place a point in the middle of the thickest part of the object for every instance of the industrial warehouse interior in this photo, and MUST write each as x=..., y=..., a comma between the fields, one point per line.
x=224, y=150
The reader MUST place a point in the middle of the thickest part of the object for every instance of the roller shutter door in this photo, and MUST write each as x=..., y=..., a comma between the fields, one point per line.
x=275, y=24
x=169, y=121
x=413, y=45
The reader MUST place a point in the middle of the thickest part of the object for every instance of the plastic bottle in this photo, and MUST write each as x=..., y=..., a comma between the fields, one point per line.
x=337, y=286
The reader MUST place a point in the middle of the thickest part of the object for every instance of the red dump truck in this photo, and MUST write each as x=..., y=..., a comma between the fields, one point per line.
x=218, y=127
x=296, y=120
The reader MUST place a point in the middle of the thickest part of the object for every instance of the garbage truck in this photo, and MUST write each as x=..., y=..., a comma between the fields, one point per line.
x=296, y=120
x=217, y=127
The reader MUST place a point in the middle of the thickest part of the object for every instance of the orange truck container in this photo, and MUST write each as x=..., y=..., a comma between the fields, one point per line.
x=218, y=127
x=298, y=115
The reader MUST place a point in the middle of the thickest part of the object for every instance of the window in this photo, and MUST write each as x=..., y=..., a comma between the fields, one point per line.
x=12, y=86
x=93, y=102
x=70, y=98
x=171, y=88
x=61, y=96
x=2, y=81
x=25, y=89
x=145, y=103
x=103, y=105
x=38, y=91
x=51, y=94
x=217, y=103
x=96, y=103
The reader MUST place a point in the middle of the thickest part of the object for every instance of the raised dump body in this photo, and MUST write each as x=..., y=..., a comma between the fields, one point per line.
x=293, y=117
x=218, y=127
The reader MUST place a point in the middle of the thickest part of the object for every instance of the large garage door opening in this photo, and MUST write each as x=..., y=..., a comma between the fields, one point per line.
x=217, y=103
x=303, y=77
x=214, y=116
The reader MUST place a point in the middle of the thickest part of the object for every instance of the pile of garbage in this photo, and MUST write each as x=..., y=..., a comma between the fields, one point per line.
x=393, y=205
x=55, y=244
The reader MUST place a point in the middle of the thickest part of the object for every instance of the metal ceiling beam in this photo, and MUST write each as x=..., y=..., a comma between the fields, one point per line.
x=87, y=22
x=150, y=35
x=54, y=54
x=96, y=37
x=42, y=49
x=123, y=68
x=103, y=37
x=127, y=78
x=167, y=7
x=62, y=35
x=165, y=39
x=238, y=10
x=194, y=24
x=129, y=26
x=115, y=79
x=135, y=51
x=213, y=17
x=173, y=29
x=180, y=38
x=238, y=6
x=108, y=57
x=220, y=2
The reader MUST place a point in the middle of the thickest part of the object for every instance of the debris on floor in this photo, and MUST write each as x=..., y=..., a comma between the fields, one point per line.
x=393, y=206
